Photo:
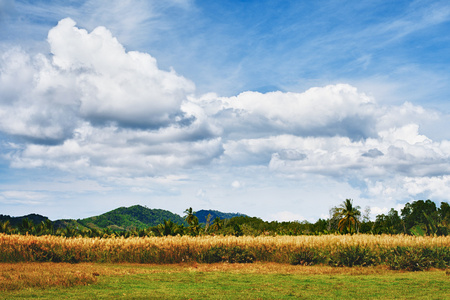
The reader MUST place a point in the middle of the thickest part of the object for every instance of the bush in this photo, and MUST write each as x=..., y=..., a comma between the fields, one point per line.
x=228, y=254
x=305, y=257
x=349, y=256
x=440, y=256
x=409, y=259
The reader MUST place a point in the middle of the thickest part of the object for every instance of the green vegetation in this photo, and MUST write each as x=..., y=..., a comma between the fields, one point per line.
x=416, y=218
x=259, y=281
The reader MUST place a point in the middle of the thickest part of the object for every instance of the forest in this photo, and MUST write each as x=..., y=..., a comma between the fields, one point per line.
x=418, y=218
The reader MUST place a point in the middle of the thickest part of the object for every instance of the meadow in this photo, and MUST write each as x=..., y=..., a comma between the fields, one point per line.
x=216, y=281
x=225, y=267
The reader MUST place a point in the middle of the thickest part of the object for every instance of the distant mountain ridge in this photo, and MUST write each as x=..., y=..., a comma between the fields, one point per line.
x=203, y=214
x=123, y=218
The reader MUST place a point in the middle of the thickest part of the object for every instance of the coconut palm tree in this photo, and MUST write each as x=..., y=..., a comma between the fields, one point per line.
x=27, y=227
x=5, y=227
x=167, y=228
x=217, y=225
x=348, y=216
x=192, y=220
x=190, y=216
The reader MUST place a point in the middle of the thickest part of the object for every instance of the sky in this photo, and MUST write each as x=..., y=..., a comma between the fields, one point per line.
x=274, y=109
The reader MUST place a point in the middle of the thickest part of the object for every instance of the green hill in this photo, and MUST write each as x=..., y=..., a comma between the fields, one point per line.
x=137, y=216
x=16, y=221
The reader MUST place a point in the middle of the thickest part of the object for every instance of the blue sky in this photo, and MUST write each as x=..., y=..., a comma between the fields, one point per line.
x=275, y=109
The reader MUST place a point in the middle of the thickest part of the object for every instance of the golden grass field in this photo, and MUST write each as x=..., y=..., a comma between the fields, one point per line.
x=27, y=248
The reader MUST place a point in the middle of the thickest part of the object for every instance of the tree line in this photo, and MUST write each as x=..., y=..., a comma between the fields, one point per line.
x=416, y=218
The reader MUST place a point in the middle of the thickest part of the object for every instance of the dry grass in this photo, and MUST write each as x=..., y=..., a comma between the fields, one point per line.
x=22, y=275
x=20, y=248
x=17, y=276
x=277, y=268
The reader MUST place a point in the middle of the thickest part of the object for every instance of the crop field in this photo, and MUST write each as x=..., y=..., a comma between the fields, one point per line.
x=398, y=252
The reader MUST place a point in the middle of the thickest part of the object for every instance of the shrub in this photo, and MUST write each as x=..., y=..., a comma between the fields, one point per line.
x=228, y=254
x=305, y=257
x=409, y=259
x=352, y=255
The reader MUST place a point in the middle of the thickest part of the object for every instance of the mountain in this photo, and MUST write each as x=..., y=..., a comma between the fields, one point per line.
x=16, y=221
x=123, y=218
x=203, y=214
x=137, y=216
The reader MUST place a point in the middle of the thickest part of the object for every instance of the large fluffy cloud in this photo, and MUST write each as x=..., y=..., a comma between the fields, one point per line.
x=325, y=111
x=89, y=76
x=115, y=85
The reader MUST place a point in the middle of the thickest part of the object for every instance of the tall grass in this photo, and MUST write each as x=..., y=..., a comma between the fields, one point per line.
x=396, y=251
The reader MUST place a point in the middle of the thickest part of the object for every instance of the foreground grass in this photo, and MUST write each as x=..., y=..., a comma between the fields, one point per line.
x=216, y=281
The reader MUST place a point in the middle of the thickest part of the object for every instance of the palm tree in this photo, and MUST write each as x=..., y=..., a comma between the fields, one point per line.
x=192, y=220
x=5, y=227
x=190, y=217
x=217, y=225
x=27, y=227
x=166, y=228
x=348, y=216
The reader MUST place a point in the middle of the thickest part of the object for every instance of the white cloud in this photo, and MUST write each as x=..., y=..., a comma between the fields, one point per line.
x=36, y=102
x=115, y=85
x=93, y=107
x=437, y=187
x=109, y=151
x=90, y=76
x=236, y=184
x=325, y=111
x=21, y=197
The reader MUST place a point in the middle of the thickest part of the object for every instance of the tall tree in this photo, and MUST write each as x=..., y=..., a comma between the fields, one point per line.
x=418, y=214
x=27, y=227
x=190, y=216
x=217, y=225
x=348, y=216
x=5, y=227
x=192, y=220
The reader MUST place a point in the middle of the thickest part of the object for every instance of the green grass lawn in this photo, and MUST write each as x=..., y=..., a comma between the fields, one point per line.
x=253, y=281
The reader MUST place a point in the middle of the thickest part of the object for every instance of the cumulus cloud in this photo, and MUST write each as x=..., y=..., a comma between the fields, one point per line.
x=89, y=77
x=115, y=85
x=325, y=111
